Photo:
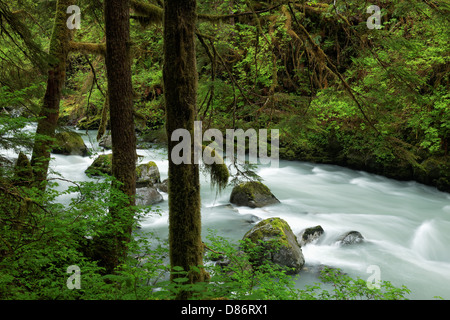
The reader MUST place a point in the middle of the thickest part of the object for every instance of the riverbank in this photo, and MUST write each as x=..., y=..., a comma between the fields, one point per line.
x=431, y=170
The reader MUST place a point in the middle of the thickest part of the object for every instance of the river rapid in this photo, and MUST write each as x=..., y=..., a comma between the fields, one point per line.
x=406, y=225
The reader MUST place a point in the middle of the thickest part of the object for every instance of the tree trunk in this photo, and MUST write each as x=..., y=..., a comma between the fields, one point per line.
x=180, y=85
x=118, y=65
x=50, y=109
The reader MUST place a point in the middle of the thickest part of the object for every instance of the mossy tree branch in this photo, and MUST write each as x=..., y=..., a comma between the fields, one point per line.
x=88, y=48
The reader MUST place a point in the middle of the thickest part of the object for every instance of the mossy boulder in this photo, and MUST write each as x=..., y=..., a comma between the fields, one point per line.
x=310, y=235
x=154, y=136
x=101, y=165
x=279, y=243
x=147, y=175
x=252, y=194
x=434, y=171
x=70, y=143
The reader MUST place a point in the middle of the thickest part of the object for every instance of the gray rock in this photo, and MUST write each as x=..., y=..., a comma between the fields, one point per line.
x=148, y=196
x=163, y=186
x=350, y=237
x=147, y=175
x=106, y=142
x=251, y=218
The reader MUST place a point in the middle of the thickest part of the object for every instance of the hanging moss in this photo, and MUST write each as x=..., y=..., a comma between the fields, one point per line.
x=218, y=171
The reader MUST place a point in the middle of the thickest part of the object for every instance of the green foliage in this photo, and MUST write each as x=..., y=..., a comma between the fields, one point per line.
x=347, y=288
x=34, y=265
x=253, y=73
x=41, y=238
x=237, y=277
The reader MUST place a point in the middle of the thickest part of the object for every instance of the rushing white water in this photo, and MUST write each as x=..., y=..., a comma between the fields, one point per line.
x=406, y=225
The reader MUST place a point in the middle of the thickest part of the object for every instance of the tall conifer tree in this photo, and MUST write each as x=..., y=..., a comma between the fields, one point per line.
x=180, y=84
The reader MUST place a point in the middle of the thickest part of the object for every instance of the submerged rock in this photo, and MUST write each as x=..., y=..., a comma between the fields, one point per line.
x=70, y=143
x=252, y=194
x=310, y=235
x=279, y=243
x=250, y=218
x=350, y=237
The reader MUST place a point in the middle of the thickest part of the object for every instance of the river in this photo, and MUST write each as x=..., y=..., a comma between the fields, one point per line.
x=406, y=225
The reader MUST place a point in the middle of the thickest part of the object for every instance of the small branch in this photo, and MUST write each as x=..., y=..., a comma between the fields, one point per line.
x=206, y=247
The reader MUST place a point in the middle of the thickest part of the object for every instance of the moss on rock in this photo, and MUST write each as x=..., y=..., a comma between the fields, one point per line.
x=70, y=143
x=435, y=171
x=310, y=234
x=89, y=123
x=279, y=244
x=101, y=165
x=147, y=175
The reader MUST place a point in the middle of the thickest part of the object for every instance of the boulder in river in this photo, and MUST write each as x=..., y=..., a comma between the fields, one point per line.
x=163, y=186
x=310, y=235
x=70, y=143
x=252, y=194
x=147, y=175
x=101, y=165
x=350, y=237
x=279, y=244
x=148, y=196
x=106, y=142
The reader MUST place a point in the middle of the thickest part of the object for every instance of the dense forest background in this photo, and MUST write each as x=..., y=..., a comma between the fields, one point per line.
x=339, y=92
x=371, y=99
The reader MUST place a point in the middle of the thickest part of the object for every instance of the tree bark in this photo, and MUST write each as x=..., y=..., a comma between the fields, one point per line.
x=180, y=85
x=118, y=65
x=49, y=113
